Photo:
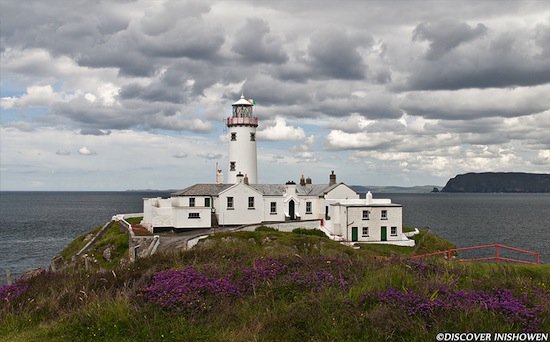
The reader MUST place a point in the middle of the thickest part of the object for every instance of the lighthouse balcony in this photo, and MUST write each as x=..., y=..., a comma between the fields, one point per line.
x=242, y=121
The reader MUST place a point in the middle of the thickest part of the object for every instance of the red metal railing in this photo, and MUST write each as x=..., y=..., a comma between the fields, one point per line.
x=448, y=254
x=247, y=120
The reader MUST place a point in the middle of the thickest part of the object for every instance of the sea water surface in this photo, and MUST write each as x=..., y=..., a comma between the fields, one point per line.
x=36, y=226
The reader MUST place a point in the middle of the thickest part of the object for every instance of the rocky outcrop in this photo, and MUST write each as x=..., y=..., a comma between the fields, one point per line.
x=499, y=182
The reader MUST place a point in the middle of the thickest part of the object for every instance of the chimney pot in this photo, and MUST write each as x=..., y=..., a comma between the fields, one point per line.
x=332, y=178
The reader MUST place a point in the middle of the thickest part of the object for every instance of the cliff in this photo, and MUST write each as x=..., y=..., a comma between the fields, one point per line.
x=499, y=182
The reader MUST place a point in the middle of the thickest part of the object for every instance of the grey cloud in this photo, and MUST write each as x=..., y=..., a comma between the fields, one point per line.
x=477, y=103
x=180, y=155
x=335, y=54
x=63, y=153
x=94, y=131
x=446, y=35
x=501, y=60
x=256, y=45
x=210, y=156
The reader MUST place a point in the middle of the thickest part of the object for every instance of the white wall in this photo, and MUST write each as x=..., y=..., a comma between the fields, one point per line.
x=374, y=223
x=342, y=191
x=240, y=214
x=243, y=153
x=181, y=217
x=280, y=215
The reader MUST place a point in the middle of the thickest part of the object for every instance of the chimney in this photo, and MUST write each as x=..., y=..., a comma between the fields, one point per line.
x=290, y=188
x=308, y=180
x=332, y=179
x=369, y=197
x=302, y=181
x=240, y=177
x=245, y=180
x=219, y=177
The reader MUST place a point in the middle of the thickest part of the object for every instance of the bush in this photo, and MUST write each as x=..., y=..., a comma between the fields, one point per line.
x=265, y=229
x=305, y=231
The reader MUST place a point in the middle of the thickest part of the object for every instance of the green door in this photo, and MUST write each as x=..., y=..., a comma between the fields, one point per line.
x=354, y=234
x=384, y=234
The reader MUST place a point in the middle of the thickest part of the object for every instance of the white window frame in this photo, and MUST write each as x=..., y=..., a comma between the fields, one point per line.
x=273, y=208
x=367, y=216
x=251, y=201
x=309, y=206
x=392, y=229
x=194, y=216
x=230, y=203
x=363, y=232
x=384, y=215
x=191, y=201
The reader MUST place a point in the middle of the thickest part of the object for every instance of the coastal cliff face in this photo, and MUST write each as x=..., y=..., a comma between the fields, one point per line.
x=499, y=182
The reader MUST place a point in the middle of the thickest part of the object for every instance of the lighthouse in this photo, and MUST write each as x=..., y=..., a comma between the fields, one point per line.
x=242, y=142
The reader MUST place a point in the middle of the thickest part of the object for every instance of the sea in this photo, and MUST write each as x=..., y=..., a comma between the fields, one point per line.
x=36, y=226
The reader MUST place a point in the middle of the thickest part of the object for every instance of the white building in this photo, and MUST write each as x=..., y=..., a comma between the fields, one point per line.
x=333, y=207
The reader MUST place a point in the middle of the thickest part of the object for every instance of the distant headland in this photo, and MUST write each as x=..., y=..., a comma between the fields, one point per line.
x=517, y=182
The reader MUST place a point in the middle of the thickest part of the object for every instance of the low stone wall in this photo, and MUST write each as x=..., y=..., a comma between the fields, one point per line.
x=286, y=226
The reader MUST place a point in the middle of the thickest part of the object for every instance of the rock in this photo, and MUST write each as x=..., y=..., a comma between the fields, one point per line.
x=107, y=253
x=31, y=274
x=266, y=240
x=57, y=263
x=88, y=237
x=252, y=241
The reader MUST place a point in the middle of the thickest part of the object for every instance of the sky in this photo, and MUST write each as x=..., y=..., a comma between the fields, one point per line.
x=116, y=95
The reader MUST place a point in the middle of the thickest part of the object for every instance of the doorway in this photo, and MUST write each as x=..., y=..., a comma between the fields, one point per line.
x=291, y=210
x=354, y=234
x=384, y=234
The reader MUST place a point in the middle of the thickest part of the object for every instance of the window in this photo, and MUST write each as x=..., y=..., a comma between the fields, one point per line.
x=250, y=202
x=207, y=202
x=366, y=215
x=384, y=214
x=233, y=136
x=194, y=216
x=393, y=231
x=365, y=231
x=192, y=201
x=232, y=166
x=273, y=208
x=252, y=136
x=308, y=207
x=229, y=202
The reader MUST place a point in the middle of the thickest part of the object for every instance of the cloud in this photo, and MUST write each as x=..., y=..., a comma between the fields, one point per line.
x=280, y=131
x=335, y=54
x=63, y=153
x=445, y=35
x=210, y=156
x=256, y=45
x=180, y=155
x=85, y=151
x=94, y=131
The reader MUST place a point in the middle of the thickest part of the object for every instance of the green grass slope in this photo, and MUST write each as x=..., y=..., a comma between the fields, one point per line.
x=274, y=286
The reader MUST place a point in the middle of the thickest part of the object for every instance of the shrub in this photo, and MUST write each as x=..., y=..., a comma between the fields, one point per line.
x=265, y=229
x=314, y=232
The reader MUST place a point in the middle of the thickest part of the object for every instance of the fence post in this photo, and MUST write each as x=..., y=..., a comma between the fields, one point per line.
x=497, y=254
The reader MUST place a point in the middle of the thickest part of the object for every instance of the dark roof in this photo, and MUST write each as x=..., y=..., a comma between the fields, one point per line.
x=266, y=189
x=202, y=190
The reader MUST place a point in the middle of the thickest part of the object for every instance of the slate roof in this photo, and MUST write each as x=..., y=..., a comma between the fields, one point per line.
x=266, y=189
x=202, y=190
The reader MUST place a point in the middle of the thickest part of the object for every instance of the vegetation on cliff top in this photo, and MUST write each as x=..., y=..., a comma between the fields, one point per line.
x=277, y=286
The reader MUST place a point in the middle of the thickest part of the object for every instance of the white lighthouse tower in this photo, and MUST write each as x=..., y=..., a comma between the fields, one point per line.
x=242, y=142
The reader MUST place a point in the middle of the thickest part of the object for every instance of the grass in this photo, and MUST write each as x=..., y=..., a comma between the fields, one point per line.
x=134, y=220
x=77, y=244
x=115, y=238
x=290, y=287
